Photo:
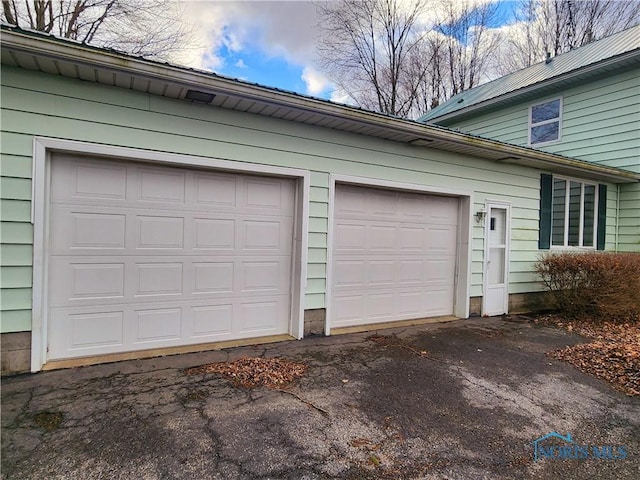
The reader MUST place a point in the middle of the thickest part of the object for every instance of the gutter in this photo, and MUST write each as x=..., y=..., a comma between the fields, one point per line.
x=58, y=49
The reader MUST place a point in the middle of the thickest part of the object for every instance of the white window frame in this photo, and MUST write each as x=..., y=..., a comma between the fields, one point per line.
x=565, y=244
x=557, y=119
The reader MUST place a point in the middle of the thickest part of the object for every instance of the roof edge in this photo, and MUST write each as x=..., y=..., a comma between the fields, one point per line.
x=515, y=94
x=61, y=49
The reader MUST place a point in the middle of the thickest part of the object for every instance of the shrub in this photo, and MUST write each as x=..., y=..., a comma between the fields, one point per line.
x=593, y=283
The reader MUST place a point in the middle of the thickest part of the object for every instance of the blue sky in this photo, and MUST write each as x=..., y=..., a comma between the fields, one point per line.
x=271, y=43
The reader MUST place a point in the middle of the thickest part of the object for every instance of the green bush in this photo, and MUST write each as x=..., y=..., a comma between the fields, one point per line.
x=593, y=283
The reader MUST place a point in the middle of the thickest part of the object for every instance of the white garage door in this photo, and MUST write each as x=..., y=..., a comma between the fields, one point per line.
x=144, y=256
x=394, y=256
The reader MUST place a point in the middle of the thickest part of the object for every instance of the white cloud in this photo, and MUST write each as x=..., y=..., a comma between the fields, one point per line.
x=316, y=82
x=240, y=64
x=277, y=28
x=338, y=96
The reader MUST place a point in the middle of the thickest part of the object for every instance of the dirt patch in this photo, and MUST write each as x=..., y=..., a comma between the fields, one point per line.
x=250, y=372
x=393, y=341
x=48, y=421
x=613, y=354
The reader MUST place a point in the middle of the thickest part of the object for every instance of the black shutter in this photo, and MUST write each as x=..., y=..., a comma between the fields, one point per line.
x=546, y=200
x=602, y=216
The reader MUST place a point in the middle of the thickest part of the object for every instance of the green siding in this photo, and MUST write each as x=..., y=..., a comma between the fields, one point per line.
x=600, y=124
x=15, y=166
x=15, y=277
x=39, y=104
x=15, y=188
x=16, y=232
x=15, y=321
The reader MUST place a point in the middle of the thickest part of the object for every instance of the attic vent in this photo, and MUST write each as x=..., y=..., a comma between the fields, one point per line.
x=421, y=142
x=197, y=96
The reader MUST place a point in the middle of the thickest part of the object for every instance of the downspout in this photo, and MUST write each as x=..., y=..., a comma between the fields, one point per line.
x=617, y=214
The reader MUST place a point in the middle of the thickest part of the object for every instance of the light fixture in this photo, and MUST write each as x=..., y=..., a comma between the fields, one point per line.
x=480, y=214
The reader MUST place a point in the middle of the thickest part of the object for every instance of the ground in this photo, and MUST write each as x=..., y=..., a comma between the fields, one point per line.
x=612, y=353
x=459, y=400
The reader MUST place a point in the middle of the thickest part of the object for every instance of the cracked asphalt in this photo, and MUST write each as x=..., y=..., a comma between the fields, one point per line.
x=468, y=408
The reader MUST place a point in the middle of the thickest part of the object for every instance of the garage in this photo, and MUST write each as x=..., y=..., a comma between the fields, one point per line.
x=394, y=255
x=145, y=256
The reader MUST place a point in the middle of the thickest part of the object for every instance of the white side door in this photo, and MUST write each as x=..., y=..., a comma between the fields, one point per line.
x=495, y=300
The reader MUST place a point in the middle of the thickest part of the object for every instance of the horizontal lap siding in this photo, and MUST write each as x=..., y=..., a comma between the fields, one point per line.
x=629, y=229
x=38, y=104
x=600, y=124
x=16, y=231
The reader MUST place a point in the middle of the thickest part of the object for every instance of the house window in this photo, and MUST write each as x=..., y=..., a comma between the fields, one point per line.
x=573, y=213
x=545, y=121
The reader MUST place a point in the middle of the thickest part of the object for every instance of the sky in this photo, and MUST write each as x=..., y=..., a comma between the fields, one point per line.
x=271, y=43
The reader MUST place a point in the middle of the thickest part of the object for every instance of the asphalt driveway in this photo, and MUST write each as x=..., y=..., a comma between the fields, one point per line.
x=469, y=408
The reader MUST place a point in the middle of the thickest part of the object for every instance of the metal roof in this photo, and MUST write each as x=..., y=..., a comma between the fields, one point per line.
x=616, y=51
x=45, y=53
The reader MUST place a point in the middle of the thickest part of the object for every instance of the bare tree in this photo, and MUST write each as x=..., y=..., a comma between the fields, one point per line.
x=151, y=28
x=466, y=42
x=403, y=57
x=556, y=26
x=370, y=50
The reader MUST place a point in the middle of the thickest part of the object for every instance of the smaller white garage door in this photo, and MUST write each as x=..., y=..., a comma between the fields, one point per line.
x=394, y=256
x=144, y=256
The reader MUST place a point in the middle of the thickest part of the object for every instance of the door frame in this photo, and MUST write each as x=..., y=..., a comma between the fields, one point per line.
x=488, y=206
x=461, y=301
x=44, y=147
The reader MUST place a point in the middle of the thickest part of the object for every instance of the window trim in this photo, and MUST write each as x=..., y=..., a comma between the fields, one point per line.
x=596, y=202
x=558, y=119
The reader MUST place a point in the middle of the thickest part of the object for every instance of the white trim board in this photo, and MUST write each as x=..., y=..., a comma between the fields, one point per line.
x=42, y=149
x=464, y=243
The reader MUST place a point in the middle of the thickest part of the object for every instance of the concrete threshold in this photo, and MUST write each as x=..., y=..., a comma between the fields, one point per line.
x=161, y=352
x=372, y=327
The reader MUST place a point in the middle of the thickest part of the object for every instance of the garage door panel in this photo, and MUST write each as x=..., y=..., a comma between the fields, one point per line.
x=349, y=273
x=382, y=204
x=213, y=234
x=439, y=301
x=379, y=306
x=86, y=330
x=213, y=277
x=158, y=279
x=157, y=324
x=88, y=180
x=348, y=309
x=86, y=281
x=393, y=257
x=412, y=238
x=211, y=321
x=189, y=257
x=411, y=304
x=411, y=271
x=217, y=190
x=159, y=231
x=381, y=273
x=382, y=237
x=350, y=237
x=442, y=239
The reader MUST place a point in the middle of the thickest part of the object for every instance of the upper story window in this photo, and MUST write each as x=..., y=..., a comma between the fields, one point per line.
x=545, y=122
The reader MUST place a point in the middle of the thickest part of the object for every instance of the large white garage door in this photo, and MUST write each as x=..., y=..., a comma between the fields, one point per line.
x=394, y=256
x=144, y=256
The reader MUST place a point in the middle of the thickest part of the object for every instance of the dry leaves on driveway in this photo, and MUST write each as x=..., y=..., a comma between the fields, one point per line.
x=251, y=372
x=613, y=354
